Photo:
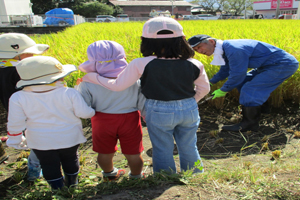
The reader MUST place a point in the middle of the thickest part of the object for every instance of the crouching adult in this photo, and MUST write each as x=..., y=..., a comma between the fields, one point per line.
x=270, y=67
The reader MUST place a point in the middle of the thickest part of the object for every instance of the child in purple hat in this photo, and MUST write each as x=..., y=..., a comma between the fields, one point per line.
x=117, y=116
x=173, y=82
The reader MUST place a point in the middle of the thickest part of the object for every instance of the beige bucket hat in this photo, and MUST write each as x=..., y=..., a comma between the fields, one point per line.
x=14, y=44
x=41, y=70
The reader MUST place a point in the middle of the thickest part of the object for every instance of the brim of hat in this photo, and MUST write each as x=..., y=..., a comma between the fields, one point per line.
x=87, y=66
x=195, y=44
x=48, y=79
x=36, y=49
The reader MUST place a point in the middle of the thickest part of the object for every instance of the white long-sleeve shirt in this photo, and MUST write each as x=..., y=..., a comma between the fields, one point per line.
x=51, y=119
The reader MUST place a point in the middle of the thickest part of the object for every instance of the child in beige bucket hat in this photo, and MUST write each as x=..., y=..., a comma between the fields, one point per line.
x=50, y=112
x=13, y=48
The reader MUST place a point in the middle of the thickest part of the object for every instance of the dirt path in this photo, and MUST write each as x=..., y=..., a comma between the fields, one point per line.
x=276, y=129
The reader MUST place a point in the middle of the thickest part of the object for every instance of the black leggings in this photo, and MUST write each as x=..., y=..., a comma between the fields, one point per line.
x=51, y=161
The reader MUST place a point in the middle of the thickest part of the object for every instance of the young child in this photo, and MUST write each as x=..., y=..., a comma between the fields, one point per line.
x=13, y=48
x=172, y=82
x=50, y=112
x=117, y=116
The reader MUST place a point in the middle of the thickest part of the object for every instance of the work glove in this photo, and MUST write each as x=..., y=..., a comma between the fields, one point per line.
x=218, y=93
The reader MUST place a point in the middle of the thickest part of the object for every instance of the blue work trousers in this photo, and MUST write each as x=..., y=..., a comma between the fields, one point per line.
x=261, y=82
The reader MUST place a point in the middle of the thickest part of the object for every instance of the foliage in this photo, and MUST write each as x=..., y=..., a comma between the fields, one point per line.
x=251, y=177
x=86, y=8
x=41, y=7
x=92, y=9
x=225, y=6
x=237, y=6
x=67, y=3
x=117, y=10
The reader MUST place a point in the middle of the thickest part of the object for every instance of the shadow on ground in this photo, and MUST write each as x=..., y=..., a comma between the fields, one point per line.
x=273, y=134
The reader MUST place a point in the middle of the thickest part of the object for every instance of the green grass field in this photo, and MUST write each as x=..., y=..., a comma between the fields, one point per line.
x=69, y=46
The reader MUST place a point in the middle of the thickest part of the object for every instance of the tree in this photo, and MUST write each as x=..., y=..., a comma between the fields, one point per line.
x=208, y=5
x=68, y=3
x=86, y=8
x=117, y=10
x=228, y=6
x=236, y=6
x=41, y=7
x=91, y=10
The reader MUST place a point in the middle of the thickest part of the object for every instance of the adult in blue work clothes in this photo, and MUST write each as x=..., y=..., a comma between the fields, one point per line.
x=271, y=66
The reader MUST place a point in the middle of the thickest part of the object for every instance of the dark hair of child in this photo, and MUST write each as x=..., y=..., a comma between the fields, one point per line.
x=166, y=47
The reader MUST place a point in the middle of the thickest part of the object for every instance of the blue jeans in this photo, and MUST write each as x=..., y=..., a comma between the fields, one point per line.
x=34, y=167
x=169, y=120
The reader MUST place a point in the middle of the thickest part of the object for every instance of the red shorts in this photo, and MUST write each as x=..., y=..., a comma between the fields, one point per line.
x=108, y=128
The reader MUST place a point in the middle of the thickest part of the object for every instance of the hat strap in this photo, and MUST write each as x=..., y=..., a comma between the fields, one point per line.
x=108, y=61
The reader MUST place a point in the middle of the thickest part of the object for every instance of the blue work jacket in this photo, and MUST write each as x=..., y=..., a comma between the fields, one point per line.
x=241, y=54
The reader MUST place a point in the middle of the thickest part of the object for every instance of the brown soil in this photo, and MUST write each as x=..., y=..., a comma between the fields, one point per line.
x=276, y=129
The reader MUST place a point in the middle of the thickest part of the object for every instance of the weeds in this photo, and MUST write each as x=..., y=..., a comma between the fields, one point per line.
x=214, y=133
x=276, y=154
x=18, y=176
x=297, y=134
x=249, y=180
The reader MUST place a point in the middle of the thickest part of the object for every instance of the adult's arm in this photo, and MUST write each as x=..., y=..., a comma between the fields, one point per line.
x=222, y=74
x=238, y=66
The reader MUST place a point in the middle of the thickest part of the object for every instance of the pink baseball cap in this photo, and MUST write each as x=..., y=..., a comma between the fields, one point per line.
x=157, y=24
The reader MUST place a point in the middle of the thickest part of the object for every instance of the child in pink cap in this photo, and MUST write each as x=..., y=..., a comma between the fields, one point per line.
x=117, y=116
x=173, y=82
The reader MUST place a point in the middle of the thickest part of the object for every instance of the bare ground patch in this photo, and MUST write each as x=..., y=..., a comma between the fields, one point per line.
x=219, y=151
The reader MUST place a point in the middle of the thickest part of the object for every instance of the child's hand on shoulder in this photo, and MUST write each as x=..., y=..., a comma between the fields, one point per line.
x=79, y=80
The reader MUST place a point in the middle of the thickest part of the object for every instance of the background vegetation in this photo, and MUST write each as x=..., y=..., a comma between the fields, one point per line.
x=86, y=8
x=70, y=45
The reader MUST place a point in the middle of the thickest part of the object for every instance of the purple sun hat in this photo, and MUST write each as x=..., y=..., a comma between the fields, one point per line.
x=107, y=58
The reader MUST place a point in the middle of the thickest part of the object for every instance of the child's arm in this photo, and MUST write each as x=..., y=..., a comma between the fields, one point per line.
x=125, y=79
x=202, y=86
x=81, y=109
x=141, y=102
x=17, y=141
x=83, y=90
x=15, y=125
